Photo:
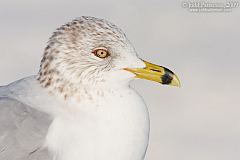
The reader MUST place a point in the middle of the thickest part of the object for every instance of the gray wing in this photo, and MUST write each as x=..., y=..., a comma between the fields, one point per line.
x=22, y=131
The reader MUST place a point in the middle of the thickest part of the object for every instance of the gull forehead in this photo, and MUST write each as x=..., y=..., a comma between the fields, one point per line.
x=81, y=36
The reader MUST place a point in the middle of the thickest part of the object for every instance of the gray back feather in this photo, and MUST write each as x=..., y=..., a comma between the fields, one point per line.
x=22, y=131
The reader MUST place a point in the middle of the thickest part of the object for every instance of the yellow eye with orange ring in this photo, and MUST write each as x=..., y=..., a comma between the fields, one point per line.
x=101, y=53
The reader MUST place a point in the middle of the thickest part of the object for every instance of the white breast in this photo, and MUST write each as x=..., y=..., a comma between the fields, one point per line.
x=114, y=126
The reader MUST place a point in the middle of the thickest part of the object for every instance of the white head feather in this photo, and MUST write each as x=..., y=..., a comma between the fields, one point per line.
x=69, y=65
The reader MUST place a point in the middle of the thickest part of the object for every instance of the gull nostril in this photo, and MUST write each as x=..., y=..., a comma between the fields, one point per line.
x=155, y=70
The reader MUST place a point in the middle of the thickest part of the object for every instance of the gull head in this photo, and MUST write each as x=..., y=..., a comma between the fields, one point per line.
x=90, y=52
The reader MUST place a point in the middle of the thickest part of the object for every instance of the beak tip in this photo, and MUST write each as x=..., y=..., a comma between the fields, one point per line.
x=176, y=82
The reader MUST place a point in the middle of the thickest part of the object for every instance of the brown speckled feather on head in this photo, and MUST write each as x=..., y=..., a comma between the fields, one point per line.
x=68, y=62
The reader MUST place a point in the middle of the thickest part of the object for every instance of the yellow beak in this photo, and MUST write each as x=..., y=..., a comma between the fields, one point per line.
x=156, y=73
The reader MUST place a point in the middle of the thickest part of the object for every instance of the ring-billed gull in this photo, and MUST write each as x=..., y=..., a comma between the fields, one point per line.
x=80, y=106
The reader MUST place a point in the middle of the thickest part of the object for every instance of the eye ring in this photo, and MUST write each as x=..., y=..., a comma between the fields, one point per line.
x=101, y=53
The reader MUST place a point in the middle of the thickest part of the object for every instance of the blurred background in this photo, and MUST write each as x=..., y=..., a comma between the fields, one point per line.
x=201, y=120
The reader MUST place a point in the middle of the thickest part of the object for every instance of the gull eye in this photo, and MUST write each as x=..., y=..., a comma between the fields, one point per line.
x=101, y=53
